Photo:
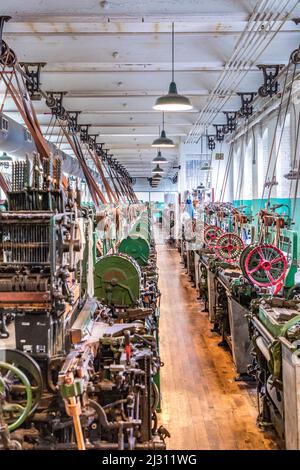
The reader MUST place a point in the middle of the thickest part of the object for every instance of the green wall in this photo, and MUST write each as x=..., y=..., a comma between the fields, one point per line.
x=255, y=205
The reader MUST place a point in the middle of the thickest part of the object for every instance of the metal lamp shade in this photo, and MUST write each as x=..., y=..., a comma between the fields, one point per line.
x=173, y=101
x=163, y=141
x=159, y=158
x=157, y=170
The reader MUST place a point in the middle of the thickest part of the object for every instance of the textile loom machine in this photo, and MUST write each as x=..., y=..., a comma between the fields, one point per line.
x=127, y=281
x=74, y=372
x=79, y=302
x=247, y=279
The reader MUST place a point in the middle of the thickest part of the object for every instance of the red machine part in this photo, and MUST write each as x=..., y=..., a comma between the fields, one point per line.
x=228, y=247
x=266, y=265
x=211, y=234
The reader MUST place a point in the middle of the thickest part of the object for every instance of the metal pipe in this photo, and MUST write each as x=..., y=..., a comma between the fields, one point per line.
x=215, y=103
x=224, y=74
x=263, y=347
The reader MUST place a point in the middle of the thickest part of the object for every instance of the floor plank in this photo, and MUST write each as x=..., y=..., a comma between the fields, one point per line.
x=203, y=407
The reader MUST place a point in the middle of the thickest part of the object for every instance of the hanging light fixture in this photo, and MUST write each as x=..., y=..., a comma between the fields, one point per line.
x=159, y=158
x=5, y=158
x=172, y=101
x=157, y=169
x=163, y=140
x=156, y=177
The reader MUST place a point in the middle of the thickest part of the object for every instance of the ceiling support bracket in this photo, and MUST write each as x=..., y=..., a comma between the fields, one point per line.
x=84, y=133
x=271, y=84
x=92, y=141
x=54, y=101
x=33, y=78
x=219, y=132
x=247, y=108
x=7, y=55
x=73, y=121
x=211, y=143
x=231, y=122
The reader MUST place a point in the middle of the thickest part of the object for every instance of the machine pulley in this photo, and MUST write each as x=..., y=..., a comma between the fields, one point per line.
x=228, y=247
x=264, y=265
x=211, y=234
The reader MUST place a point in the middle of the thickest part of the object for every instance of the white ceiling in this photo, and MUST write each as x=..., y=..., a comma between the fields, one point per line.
x=113, y=59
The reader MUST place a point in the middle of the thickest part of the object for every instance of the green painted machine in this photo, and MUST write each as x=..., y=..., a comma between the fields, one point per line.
x=137, y=247
x=127, y=282
x=275, y=334
x=137, y=244
x=117, y=280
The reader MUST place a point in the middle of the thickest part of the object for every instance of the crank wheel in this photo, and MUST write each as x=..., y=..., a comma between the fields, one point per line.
x=211, y=234
x=229, y=246
x=243, y=257
x=21, y=385
x=265, y=265
x=20, y=411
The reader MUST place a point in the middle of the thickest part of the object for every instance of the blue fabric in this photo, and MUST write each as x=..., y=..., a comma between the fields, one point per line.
x=189, y=208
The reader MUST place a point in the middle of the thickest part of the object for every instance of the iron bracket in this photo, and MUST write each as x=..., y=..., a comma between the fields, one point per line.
x=99, y=150
x=271, y=84
x=92, y=141
x=7, y=56
x=33, y=83
x=231, y=122
x=211, y=142
x=84, y=132
x=54, y=101
x=246, y=108
x=219, y=132
x=73, y=120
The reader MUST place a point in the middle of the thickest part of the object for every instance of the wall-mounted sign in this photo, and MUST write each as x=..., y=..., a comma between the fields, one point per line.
x=219, y=156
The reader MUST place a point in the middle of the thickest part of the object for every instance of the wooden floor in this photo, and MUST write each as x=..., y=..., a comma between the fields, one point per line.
x=203, y=407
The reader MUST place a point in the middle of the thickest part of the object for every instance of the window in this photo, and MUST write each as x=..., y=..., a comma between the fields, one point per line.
x=236, y=172
x=283, y=164
x=195, y=172
x=247, y=173
x=262, y=161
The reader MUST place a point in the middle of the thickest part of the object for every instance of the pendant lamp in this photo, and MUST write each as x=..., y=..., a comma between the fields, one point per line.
x=159, y=158
x=163, y=140
x=172, y=101
x=157, y=169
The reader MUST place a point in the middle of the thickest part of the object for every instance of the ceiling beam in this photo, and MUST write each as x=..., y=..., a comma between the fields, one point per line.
x=86, y=67
x=111, y=19
x=116, y=111
x=131, y=94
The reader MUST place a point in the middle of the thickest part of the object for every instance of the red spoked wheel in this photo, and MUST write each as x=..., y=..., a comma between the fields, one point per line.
x=211, y=234
x=229, y=246
x=265, y=265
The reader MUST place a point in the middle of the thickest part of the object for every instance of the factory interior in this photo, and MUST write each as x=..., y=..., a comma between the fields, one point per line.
x=149, y=223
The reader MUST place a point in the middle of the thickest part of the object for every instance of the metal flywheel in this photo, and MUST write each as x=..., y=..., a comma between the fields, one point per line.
x=264, y=265
x=211, y=234
x=228, y=247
